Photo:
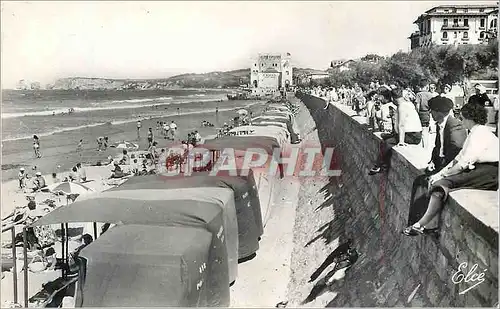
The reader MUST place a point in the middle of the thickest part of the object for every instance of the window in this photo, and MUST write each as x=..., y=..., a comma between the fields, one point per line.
x=466, y=22
x=455, y=34
x=445, y=22
x=455, y=22
x=466, y=35
x=482, y=23
x=493, y=23
x=445, y=35
x=481, y=35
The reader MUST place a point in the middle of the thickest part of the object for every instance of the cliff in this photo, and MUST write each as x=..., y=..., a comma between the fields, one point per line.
x=228, y=79
x=392, y=270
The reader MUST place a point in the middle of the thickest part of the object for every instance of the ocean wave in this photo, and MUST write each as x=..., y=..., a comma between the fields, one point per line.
x=117, y=122
x=65, y=110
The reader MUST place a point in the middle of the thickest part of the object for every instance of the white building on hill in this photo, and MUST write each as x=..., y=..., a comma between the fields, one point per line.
x=455, y=25
x=269, y=72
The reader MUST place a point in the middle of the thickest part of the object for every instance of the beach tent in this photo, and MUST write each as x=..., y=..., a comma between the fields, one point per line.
x=249, y=230
x=156, y=208
x=147, y=266
x=265, y=182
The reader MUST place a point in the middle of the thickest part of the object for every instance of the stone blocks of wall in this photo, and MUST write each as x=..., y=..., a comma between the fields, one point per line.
x=394, y=269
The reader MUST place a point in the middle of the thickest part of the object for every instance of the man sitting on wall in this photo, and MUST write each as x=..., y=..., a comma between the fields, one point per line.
x=450, y=137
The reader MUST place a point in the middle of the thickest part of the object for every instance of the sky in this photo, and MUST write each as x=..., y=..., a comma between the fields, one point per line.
x=43, y=41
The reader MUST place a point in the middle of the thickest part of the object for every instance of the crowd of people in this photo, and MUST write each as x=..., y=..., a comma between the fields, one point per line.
x=465, y=149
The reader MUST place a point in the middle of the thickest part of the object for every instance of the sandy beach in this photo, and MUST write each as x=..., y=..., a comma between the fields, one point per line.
x=60, y=149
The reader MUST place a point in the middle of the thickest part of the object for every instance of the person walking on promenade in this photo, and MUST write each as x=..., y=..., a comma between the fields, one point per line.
x=475, y=167
x=450, y=138
x=408, y=129
x=422, y=104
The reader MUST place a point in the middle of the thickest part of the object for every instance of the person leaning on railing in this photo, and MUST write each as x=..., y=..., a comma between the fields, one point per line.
x=475, y=166
x=408, y=129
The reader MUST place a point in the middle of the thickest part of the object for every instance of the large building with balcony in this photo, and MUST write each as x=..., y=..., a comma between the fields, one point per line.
x=269, y=72
x=455, y=25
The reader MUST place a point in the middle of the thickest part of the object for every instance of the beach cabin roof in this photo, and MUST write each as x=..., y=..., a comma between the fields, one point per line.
x=210, y=208
x=245, y=194
x=139, y=265
x=243, y=143
x=270, y=123
x=280, y=133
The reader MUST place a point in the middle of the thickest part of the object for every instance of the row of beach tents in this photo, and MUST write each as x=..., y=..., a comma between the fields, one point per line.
x=176, y=241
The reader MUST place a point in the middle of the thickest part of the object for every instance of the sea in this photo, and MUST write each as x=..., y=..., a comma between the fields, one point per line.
x=45, y=112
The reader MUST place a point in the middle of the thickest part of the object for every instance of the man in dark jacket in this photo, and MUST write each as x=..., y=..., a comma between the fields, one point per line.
x=480, y=97
x=450, y=137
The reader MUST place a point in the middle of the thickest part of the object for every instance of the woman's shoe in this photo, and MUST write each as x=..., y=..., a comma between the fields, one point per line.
x=374, y=170
x=414, y=230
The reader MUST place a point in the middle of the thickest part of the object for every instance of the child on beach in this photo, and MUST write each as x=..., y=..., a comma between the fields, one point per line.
x=22, y=178
x=39, y=182
x=73, y=176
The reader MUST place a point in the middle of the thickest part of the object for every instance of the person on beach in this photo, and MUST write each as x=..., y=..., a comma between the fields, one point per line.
x=81, y=172
x=106, y=142
x=36, y=146
x=153, y=151
x=100, y=142
x=80, y=146
x=475, y=166
x=55, y=179
x=22, y=176
x=39, y=182
x=166, y=128
x=125, y=160
x=73, y=175
x=150, y=137
x=139, y=125
x=173, y=129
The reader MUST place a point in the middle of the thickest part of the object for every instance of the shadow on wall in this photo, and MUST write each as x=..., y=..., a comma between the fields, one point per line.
x=387, y=271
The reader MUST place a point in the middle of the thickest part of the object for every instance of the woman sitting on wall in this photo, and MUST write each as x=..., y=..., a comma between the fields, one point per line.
x=407, y=127
x=475, y=166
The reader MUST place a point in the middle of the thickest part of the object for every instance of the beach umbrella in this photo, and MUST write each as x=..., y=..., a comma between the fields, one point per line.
x=243, y=112
x=70, y=188
x=125, y=145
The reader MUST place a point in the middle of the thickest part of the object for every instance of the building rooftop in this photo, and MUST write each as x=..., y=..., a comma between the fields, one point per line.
x=464, y=6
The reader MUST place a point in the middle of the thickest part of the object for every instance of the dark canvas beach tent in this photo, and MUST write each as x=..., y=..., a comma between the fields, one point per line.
x=156, y=209
x=248, y=227
x=141, y=265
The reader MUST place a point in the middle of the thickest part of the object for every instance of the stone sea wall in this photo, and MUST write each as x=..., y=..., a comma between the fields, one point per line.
x=395, y=270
